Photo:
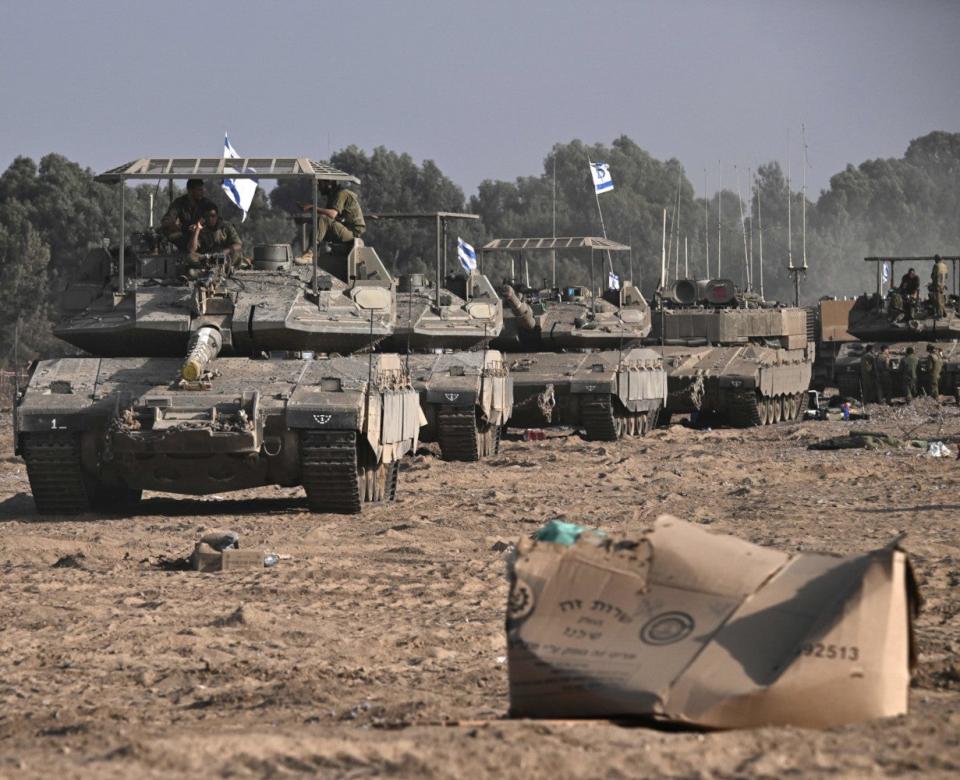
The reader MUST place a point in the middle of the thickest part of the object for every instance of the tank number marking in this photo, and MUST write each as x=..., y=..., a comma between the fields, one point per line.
x=841, y=652
x=55, y=427
x=451, y=396
x=590, y=388
x=322, y=419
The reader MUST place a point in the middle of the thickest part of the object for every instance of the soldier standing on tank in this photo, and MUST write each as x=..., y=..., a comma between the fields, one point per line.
x=868, y=375
x=908, y=374
x=936, y=369
x=340, y=220
x=910, y=291
x=938, y=288
x=185, y=213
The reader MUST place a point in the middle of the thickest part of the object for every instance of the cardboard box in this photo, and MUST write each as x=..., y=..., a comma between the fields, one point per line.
x=207, y=558
x=691, y=626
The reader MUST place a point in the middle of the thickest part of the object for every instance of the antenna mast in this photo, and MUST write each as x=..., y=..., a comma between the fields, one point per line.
x=803, y=192
x=706, y=220
x=719, y=213
x=760, y=233
x=743, y=231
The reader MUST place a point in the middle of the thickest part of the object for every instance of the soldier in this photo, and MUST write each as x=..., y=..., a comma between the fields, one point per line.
x=938, y=288
x=868, y=376
x=936, y=369
x=908, y=374
x=895, y=310
x=185, y=213
x=910, y=291
x=340, y=221
x=884, y=379
x=210, y=234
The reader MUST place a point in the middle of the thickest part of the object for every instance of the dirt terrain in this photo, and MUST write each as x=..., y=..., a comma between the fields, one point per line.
x=377, y=647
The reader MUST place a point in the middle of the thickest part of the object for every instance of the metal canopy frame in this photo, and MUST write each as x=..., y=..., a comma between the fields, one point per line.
x=954, y=261
x=441, y=217
x=521, y=245
x=174, y=168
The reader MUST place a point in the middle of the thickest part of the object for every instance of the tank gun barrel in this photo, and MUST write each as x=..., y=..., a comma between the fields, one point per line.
x=205, y=345
x=520, y=308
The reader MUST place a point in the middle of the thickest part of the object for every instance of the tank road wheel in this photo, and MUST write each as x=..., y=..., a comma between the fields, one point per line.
x=56, y=477
x=763, y=411
x=744, y=410
x=330, y=472
x=598, y=419
x=792, y=402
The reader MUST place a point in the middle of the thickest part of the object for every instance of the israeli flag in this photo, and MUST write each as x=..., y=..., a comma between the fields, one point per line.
x=466, y=255
x=601, y=177
x=240, y=191
x=613, y=281
x=885, y=273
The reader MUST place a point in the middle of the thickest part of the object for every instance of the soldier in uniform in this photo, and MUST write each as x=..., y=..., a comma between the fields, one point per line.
x=938, y=288
x=936, y=369
x=340, y=220
x=908, y=374
x=884, y=383
x=210, y=234
x=895, y=306
x=868, y=375
x=910, y=291
x=185, y=213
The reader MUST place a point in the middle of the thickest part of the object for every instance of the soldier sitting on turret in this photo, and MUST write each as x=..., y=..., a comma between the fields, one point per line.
x=340, y=220
x=211, y=235
x=184, y=214
x=895, y=309
x=910, y=290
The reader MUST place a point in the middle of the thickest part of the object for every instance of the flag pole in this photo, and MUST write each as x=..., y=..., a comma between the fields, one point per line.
x=603, y=228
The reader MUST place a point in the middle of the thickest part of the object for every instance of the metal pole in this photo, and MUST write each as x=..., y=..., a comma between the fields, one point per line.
x=719, y=214
x=437, y=295
x=443, y=222
x=151, y=210
x=603, y=228
x=663, y=252
x=760, y=237
x=316, y=243
x=123, y=232
x=593, y=287
x=706, y=221
x=553, y=252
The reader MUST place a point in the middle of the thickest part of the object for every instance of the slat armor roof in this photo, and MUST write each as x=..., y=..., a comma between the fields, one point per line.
x=924, y=259
x=239, y=168
x=576, y=242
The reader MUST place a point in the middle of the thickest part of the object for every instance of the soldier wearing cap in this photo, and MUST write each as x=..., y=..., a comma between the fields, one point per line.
x=340, y=219
x=185, y=213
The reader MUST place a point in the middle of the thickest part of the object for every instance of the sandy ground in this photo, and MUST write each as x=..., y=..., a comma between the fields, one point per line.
x=377, y=647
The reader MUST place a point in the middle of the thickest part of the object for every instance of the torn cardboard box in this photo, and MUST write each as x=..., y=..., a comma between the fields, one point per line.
x=696, y=627
x=220, y=551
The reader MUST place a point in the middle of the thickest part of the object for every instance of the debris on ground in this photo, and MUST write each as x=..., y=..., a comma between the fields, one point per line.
x=869, y=440
x=688, y=626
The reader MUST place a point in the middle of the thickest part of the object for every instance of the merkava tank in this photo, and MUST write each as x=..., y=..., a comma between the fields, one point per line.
x=173, y=400
x=882, y=319
x=731, y=358
x=574, y=357
x=444, y=332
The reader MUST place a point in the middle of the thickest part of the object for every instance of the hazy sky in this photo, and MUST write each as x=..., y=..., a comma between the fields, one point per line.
x=482, y=88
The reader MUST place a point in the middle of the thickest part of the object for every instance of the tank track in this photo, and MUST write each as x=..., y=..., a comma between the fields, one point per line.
x=462, y=437
x=744, y=411
x=328, y=465
x=393, y=476
x=597, y=418
x=56, y=476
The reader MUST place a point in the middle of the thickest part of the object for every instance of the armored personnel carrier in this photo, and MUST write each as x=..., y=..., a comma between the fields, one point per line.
x=163, y=407
x=574, y=356
x=731, y=358
x=897, y=318
x=444, y=329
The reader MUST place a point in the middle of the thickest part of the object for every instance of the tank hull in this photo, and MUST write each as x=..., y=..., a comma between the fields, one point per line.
x=847, y=370
x=117, y=426
x=609, y=393
x=467, y=398
x=737, y=385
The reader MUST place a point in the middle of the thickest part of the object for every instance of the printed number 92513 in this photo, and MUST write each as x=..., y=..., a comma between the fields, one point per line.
x=842, y=652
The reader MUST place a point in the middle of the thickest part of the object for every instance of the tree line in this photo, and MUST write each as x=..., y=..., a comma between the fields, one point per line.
x=52, y=211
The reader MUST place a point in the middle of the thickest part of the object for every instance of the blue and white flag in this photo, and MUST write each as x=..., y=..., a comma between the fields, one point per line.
x=466, y=255
x=613, y=281
x=885, y=273
x=240, y=191
x=601, y=177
